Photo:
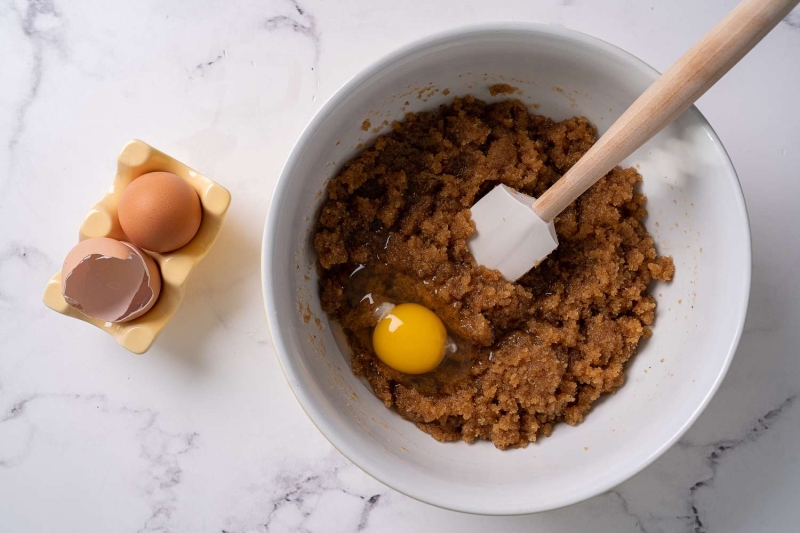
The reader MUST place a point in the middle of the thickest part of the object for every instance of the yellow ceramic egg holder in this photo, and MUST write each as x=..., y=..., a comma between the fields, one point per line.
x=139, y=158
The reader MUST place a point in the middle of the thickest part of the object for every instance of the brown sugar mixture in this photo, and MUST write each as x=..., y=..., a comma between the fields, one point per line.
x=502, y=88
x=394, y=228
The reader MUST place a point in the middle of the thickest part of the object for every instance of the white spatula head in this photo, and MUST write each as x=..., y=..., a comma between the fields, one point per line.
x=510, y=236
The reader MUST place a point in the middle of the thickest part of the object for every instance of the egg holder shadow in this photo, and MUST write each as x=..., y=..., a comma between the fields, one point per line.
x=138, y=158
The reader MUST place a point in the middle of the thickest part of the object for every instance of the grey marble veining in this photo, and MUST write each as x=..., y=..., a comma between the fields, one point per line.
x=160, y=450
x=41, y=25
x=718, y=451
x=711, y=456
x=302, y=22
x=298, y=493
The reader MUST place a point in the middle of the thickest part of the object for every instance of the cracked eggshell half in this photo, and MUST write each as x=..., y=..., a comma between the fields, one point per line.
x=110, y=280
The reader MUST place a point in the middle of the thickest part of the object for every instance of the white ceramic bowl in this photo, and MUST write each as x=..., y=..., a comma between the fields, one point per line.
x=697, y=215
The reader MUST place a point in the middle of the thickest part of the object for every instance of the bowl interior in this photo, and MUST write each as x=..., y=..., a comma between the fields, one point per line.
x=697, y=216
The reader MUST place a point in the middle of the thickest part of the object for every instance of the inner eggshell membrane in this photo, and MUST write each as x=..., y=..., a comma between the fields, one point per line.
x=113, y=285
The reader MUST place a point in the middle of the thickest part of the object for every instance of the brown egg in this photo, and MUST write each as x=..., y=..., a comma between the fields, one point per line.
x=159, y=212
x=110, y=280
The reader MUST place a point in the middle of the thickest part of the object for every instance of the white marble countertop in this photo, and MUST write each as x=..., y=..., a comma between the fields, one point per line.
x=202, y=433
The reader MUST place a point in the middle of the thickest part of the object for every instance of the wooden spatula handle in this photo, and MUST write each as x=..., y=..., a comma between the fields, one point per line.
x=669, y=96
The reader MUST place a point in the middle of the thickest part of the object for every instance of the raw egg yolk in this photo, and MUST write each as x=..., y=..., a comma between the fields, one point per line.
x=411, y=339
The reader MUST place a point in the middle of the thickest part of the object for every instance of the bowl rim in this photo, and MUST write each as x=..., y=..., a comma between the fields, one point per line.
x=373, y=468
